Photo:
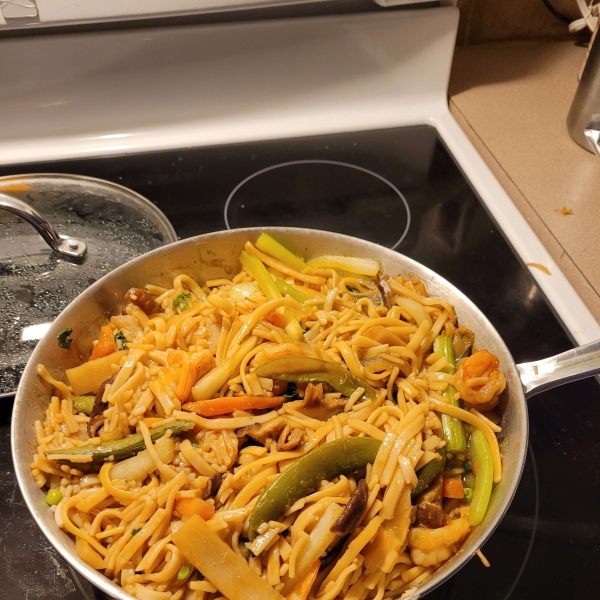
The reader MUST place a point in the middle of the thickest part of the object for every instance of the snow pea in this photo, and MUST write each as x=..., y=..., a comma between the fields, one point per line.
x=307, y=369
x=331, y=460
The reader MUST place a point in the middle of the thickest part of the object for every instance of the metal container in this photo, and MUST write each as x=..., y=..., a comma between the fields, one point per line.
x=583, y=120
x=216, y=255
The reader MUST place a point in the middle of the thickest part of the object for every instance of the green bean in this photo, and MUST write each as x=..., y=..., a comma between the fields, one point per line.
x=83, y=404
x=426, y=474
x=119, y=449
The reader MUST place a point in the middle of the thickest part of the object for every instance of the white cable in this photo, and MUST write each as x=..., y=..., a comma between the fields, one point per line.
x=589, y=14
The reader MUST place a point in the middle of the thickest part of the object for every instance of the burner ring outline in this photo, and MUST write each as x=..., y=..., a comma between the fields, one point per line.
x=324, y=162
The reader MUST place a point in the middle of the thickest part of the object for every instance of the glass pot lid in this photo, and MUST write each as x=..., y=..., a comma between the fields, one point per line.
x=106, y=224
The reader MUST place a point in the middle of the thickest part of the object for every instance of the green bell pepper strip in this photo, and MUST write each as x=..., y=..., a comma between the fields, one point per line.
x=120, y=449
x=452, y=428
x=84, y=404
x=331, y=460
x=426, y=474
x=483, y=466
x=273, y=248
x=254, y=267
x=307, y=369
x=291, y=291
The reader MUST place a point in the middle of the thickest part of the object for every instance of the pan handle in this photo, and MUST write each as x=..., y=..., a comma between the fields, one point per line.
x=579, y=363
x=69, y=247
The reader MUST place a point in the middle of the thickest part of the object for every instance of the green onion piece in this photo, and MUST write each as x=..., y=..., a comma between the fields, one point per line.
x=183, y=573
x=182, y=302
x=121, y=340
x=273, y=248
x=63, y=338
x=483, y=466
x=135, y=531
x=53, y=497
x=255, y=268
x=291, y=291
x=468, y=494
x=452, y=428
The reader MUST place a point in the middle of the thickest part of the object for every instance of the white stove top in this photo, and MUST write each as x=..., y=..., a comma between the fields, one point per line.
x=99, y=94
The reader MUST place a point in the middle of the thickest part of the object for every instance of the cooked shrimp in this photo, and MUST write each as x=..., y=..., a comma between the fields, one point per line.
x=426, y=540
x=278, y=351
x=433, y=557
x=479, y=379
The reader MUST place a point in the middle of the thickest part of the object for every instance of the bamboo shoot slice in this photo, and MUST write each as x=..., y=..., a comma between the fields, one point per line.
x=220, y=564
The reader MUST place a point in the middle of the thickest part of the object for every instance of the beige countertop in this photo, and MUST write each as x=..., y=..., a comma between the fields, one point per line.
x=512, y=100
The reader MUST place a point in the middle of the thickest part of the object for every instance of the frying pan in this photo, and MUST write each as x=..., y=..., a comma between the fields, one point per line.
x=216, y=255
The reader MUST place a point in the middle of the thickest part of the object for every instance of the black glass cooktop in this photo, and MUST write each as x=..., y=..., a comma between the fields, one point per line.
x=402, y=189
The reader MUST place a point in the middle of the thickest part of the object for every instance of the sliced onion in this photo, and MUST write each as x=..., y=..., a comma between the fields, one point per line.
x=414, y=309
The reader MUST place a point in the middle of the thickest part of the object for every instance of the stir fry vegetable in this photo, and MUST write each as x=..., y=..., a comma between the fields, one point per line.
x=483, y=467
x=223, y=406
x=64, y=341
x=351, y=264
x=117, y=449
x=230, y=573
x=336, y=458
x=426, y=474
x=83, y=404
x=273, y=248
x=256, y=268
x=307, y=369
x=454, y=432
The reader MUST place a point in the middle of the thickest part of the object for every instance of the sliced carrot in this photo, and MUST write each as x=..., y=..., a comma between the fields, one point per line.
x=188, y=507
x=453, y=488
x=276, y=319
x=302, y=589
x=224, y=406
x=106, y=343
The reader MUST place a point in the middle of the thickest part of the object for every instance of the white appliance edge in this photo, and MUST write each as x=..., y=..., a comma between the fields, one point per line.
x=104, y=94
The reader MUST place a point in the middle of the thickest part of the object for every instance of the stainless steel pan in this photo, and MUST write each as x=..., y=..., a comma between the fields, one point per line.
x=216, y=255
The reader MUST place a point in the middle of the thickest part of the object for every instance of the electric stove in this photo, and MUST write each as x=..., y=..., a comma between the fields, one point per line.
x=402, y=189
x=338, y=124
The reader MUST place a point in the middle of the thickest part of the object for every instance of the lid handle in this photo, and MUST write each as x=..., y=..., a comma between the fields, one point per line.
x=68, y=246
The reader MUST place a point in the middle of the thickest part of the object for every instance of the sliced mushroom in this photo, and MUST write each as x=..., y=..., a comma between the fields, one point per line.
x=214, y=483
x=261, y=432
x=143, y=299
x=97, y=415
x=289, y=439
x=353, y=511
x=463, y=341
x=430, y=515
x=279, y=387
x=386, y=291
